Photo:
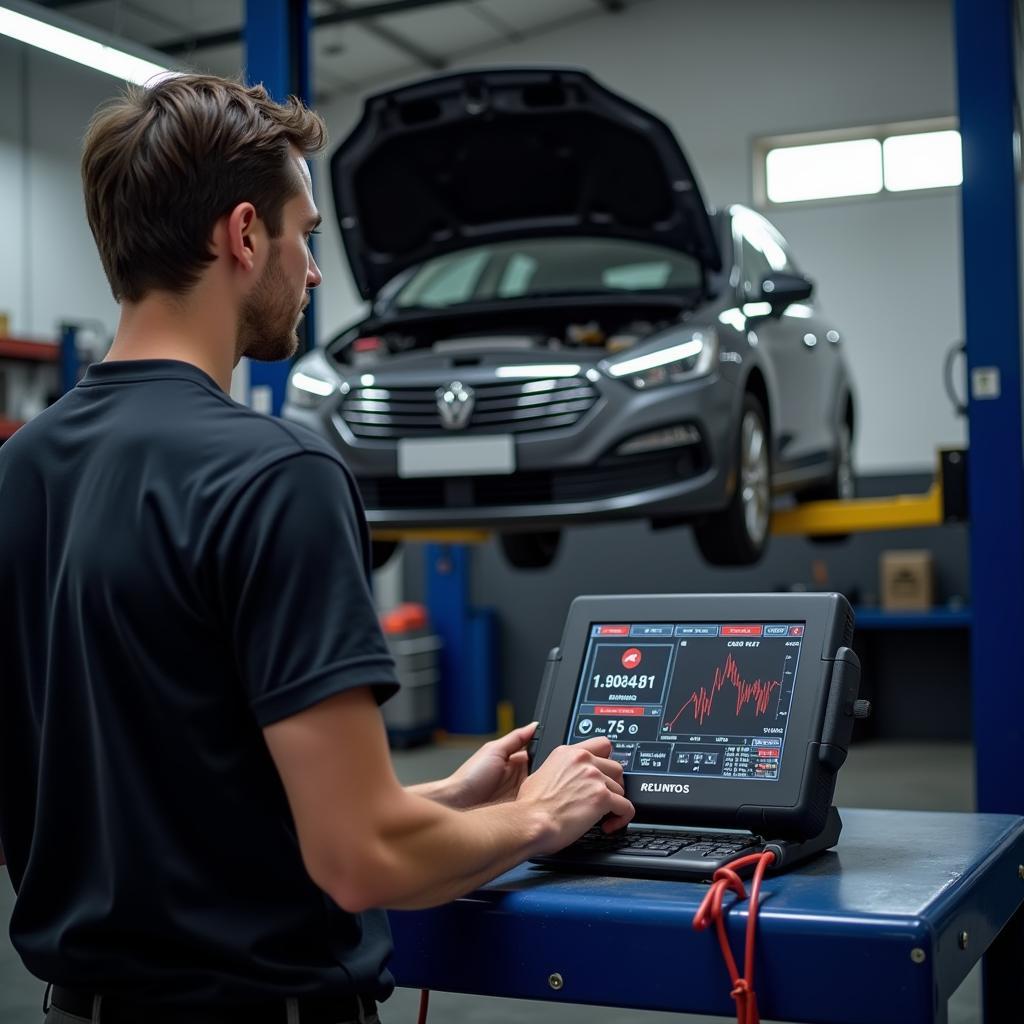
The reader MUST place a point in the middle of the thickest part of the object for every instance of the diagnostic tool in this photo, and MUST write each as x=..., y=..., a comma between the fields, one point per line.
x=730, y=714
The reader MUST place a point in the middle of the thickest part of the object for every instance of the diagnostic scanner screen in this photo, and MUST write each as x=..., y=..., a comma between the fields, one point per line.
x=690, y=699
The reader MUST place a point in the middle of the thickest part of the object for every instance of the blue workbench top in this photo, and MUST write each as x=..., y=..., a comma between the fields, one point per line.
x=880, y=917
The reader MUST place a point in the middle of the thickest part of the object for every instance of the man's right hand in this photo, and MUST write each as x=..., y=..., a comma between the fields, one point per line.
x=576, y=787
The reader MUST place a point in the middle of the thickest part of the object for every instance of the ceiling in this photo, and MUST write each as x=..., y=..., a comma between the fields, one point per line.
x=351, y=50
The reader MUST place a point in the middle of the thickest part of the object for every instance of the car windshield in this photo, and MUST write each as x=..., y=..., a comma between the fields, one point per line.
x=543, y=266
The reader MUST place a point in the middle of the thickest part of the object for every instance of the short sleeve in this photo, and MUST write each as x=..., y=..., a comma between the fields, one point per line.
x=293, y=583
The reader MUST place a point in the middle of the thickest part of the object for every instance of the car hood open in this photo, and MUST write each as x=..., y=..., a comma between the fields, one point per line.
x=483, y=156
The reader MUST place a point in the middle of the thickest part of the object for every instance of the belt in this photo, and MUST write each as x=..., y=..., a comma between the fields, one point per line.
x=310, y=1010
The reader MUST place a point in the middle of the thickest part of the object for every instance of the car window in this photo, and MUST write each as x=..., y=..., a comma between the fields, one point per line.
x=546, y=266
x=447, y=282
x=515, y=280
x=755, y=265
x=636, y=276
x=762, y=249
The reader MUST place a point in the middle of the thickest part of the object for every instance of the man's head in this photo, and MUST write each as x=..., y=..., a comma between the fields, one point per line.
x=199, y=171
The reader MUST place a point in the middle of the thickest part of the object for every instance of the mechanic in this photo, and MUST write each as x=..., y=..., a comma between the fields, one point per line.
x=197, y=801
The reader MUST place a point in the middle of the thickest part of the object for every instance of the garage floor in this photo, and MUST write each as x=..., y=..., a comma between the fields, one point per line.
x=921, y=776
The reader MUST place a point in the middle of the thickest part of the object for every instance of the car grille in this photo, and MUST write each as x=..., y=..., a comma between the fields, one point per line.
x=505, y=407
x=605, y=479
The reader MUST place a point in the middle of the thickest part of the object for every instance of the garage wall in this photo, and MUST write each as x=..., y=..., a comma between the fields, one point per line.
x=888, y=269
x=49, y=270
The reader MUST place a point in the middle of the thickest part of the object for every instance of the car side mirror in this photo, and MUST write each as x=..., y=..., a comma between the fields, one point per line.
x=781, y=289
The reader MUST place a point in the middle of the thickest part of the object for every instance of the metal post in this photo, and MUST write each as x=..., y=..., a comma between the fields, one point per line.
x=277, y=54
x=469, y=659
x=985, y=81
x=69, y=361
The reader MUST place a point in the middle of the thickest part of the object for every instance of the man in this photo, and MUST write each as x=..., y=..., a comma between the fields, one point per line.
x=197, y=801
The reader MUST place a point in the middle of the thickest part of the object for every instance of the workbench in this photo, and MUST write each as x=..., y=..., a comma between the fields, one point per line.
x=881, y=931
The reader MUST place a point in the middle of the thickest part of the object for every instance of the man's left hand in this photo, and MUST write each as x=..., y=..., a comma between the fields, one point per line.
x=495, y=772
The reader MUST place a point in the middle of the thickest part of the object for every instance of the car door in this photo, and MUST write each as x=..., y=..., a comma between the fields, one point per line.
x=792, y=339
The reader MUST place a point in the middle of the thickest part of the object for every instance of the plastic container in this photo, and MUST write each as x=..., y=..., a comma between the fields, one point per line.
x=411, y=715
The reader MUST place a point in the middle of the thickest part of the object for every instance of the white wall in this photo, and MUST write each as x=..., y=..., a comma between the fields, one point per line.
x=888, y=269
x=49, y=270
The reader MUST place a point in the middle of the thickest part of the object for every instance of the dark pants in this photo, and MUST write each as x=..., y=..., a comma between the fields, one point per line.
x=289, y=1015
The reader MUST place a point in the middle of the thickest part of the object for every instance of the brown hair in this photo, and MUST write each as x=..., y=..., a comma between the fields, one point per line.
x=161, y=165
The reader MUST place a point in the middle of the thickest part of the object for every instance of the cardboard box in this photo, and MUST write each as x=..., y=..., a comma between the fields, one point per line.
x=907, y=580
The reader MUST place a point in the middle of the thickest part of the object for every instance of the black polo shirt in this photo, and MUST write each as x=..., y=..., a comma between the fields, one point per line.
x=177, y=572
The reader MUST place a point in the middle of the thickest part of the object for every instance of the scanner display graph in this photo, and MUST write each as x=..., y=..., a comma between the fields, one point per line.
x=690, y=699
x=701, y=703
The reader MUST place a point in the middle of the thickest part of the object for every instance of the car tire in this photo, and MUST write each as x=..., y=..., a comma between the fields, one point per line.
x=841, y=487
x=381, y=552
x=738, y=535
x=530, y=550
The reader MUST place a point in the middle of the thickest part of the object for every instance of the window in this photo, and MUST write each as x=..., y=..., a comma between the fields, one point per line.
x=545, y=266
x=857, y=162
x=762, y=249
x=637, y=276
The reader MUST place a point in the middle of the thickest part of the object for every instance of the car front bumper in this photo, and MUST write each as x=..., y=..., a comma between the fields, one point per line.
x=562, y=475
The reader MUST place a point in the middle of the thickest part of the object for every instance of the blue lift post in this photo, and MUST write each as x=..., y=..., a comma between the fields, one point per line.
x=277, y=54
x=469, y=654
x=986, y=83
x=985, y=34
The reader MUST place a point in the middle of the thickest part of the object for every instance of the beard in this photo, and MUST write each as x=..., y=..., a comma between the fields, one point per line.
x=269, y=318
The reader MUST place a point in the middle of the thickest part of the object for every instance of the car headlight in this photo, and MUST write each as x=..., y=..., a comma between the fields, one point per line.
x=312, y=381
x=694, y=357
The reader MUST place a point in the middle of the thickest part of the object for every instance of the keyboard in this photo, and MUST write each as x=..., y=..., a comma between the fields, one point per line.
x=653, y=852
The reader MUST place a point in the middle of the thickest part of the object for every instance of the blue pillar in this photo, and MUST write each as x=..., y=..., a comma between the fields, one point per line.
x=469, y=637
x=985, y=81
x=277, y=54
x=69, y=361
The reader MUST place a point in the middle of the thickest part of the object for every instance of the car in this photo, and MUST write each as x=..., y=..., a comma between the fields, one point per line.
x=562, y=331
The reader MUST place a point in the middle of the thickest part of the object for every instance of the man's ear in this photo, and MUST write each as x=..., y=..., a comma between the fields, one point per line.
x=243, y=236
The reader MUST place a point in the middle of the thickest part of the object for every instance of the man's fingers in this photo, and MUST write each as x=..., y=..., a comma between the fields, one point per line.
x=620, y=816
x=614, y=787
x=515, y=740
x=600, y=746
x=612, y=768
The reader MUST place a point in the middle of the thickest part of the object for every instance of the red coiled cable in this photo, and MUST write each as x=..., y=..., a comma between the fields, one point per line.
x=710, y=910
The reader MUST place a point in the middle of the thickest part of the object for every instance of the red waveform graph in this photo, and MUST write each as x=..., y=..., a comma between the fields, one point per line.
x=702, y=701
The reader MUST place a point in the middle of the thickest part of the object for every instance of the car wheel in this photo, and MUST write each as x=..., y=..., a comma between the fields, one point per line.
x=381, y=551
x=843, y=484
x=530, y=550
x=738, y=534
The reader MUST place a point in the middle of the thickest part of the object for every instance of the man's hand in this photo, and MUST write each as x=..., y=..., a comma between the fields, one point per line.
x=494, y=773
x=576, y=787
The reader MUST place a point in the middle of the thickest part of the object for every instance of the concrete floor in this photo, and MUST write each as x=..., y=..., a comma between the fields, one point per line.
x=923, y=776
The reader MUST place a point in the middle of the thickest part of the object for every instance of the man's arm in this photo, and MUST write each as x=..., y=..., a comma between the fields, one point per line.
x=368, y=842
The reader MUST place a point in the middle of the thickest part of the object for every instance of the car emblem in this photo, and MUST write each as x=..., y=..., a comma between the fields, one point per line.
x=455, y=404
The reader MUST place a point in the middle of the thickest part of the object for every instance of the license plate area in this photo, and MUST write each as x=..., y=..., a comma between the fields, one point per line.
x=492, y=455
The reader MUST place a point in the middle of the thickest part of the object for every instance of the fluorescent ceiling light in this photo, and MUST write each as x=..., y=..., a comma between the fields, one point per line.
x=36, y=26
x=824, y=171
x=922, y=160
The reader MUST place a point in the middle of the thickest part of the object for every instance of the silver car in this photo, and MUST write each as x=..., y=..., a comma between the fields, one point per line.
x=562, y=331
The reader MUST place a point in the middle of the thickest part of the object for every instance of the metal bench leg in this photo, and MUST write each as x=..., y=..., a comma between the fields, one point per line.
x=1002, y=973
